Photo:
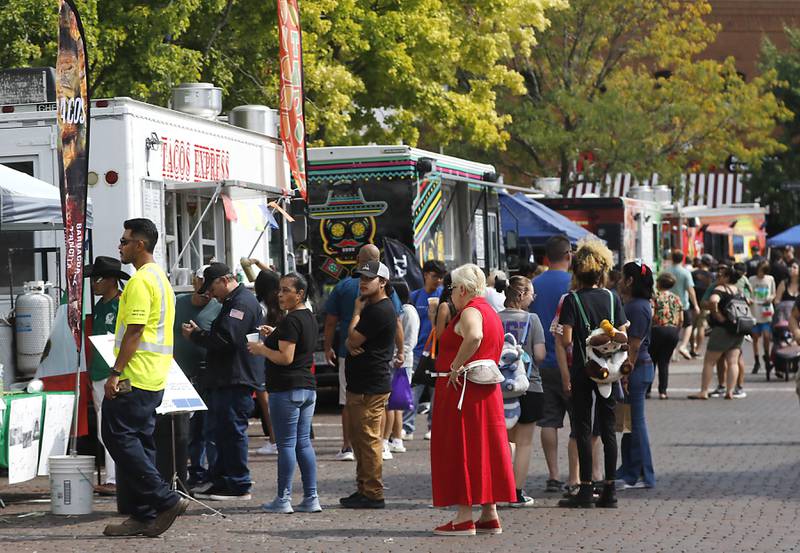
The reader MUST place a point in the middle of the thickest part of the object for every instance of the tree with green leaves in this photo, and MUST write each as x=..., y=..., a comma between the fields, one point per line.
x=619, y=82
x=777, y=183
x=428, y=71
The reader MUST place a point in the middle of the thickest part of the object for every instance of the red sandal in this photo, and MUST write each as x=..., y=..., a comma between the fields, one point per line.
x=466, y=528
x=488, y=526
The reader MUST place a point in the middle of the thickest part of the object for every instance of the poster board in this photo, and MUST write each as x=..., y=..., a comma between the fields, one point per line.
x=58, y=411
x=179, y=394
x=24, y=430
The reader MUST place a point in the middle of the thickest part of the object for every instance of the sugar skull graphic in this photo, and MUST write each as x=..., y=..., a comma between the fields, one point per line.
x=346, y=221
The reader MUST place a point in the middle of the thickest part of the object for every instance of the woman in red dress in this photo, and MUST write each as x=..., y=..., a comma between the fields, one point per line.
x=470, y=458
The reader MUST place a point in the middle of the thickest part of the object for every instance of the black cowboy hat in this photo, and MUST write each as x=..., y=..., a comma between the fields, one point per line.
x=105, y=267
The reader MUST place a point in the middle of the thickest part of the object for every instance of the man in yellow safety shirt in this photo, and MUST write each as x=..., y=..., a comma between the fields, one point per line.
x=143, y=346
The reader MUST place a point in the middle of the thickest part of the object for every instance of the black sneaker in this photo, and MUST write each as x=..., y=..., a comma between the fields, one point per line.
x=554, y=486
x=222, y=493
x=739, y=393
x=719, y=392
x=581, y=500
x=756, y=367
x=523, y=500
x=359, y=501
x=608, y=496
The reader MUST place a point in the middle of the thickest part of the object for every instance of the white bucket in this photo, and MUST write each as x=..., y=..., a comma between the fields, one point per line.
x=71, y=486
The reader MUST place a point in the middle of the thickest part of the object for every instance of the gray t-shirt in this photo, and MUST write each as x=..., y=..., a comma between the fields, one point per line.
x=515, y=321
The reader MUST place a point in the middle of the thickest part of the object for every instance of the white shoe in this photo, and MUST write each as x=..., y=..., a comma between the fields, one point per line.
x=387, y=454
x=428, y=435
x=267, y=449
x=407, y=436
x=396, y=446
x=345, y=455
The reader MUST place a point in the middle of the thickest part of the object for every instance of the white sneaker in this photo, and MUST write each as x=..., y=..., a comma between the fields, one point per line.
x=345, y=455
x=407, y=436
x=396, y=446
x=267, y=449
x=387, y=454
x=428, y=435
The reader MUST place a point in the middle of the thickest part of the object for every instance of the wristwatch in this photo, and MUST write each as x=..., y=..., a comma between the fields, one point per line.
x=116, y=373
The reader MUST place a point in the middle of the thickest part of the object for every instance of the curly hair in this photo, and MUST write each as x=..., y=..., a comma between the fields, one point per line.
x=592, y=262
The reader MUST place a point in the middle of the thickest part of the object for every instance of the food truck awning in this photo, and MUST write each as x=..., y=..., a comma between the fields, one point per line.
x=790, y=237
x=234, y=189
x=27, y=203
x=535, y=222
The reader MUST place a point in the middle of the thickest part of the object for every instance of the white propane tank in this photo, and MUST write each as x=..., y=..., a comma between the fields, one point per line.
x=34, y=312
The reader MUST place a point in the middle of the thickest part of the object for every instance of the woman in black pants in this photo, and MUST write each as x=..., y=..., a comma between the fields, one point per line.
x=665, y=334
x=581, y=313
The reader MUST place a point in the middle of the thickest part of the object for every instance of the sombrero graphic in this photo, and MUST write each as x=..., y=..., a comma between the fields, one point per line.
x=346, y=201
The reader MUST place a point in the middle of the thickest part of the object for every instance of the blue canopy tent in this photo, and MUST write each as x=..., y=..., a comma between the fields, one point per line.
x=789, y=237
x=534, y=223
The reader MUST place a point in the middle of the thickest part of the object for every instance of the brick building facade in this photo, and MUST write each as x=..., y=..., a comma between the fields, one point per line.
x=744, y=25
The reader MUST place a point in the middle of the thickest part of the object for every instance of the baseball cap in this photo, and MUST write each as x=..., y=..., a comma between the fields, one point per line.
x=212, y=272
x=199, y=272
x=373, y=269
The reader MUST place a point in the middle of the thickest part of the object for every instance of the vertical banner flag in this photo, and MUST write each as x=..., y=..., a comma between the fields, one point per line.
x=293, y=125
x=72, y=105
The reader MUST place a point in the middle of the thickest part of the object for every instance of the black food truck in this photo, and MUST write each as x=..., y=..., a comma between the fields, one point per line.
x=430, y=206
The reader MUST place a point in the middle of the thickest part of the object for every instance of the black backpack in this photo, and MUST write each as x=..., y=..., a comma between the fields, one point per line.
x=737, y=313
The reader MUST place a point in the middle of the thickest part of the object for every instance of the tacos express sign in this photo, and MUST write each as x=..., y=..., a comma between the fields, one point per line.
x=190, y=162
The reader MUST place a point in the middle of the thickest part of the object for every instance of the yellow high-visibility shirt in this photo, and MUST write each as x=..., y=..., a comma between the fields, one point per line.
x=148, y=300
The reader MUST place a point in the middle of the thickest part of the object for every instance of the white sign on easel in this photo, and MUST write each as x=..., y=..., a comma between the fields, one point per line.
x=24, y=429
x=179, y=394
x=58, y=411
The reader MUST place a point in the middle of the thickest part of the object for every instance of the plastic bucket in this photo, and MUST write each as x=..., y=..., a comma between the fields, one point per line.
x=71, y=484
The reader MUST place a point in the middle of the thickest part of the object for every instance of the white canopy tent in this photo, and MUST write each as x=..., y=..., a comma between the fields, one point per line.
x=27, y=203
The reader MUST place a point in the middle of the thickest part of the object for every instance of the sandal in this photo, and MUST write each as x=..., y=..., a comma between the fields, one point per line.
x=696, y=396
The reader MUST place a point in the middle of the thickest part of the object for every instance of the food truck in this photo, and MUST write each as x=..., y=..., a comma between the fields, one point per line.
x=216, y=187
x=437, y=206
x=631, y=227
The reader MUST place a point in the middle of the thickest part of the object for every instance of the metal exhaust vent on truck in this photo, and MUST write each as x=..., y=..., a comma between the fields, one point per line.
x=199, y=99
x=261, y=119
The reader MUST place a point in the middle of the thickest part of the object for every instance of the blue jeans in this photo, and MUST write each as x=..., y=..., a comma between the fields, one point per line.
x=230, y=411
x=637, y=460
x=291, y=413
x=410, y=415
x=128, y=422
x=202, y=448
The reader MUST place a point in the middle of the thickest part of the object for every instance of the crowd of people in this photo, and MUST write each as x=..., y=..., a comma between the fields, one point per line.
x=494, y=357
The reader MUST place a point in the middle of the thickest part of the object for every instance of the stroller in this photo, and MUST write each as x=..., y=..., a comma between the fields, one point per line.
x=785, y=353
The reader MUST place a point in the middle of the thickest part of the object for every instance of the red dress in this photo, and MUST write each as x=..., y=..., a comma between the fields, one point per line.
x=470, y=457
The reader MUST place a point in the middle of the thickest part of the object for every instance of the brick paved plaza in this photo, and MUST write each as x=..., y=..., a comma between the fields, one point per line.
x=727, y=482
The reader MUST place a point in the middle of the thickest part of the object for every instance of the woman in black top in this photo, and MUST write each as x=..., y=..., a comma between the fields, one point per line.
x=289, y=349
x=591, y=265
x=722, y=340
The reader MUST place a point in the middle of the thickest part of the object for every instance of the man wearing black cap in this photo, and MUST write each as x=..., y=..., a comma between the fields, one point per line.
x=233, y=374
x=105, y=275
x=370, y=346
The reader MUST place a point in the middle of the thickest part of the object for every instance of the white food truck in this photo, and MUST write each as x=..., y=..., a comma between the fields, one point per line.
x=205, y=182
x=218, y=188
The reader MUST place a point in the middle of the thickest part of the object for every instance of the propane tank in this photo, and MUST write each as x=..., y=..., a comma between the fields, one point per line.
x=34, y=311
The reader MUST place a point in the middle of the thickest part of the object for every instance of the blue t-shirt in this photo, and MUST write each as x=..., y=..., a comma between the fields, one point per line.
x=549, y=287
x=419, y=299
x=341, y=303
x=683, y=281
x=639, y=312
